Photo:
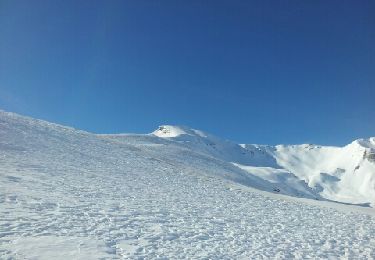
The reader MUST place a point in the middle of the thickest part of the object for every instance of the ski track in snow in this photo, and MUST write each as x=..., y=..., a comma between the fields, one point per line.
x=73, y=195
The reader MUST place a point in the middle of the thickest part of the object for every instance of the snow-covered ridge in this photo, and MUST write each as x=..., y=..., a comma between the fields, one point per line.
x=166, y=131
x=344, y=174
x=67, y=194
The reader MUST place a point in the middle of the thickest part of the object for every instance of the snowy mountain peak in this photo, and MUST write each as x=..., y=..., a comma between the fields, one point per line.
x=170, y=131
x=366, y=143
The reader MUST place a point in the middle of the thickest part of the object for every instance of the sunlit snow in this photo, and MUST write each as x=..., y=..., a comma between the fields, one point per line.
x=179, y=193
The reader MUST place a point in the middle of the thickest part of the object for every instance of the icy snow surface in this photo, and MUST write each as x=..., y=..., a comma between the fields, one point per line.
x=68, y=194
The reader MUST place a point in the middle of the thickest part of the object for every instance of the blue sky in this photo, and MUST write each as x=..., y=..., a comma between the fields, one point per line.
x=250, y=71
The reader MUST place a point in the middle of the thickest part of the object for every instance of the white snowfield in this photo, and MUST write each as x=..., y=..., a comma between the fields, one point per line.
x=179, y=193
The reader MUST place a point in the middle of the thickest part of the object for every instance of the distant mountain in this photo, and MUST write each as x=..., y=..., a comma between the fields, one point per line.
x=344, y=174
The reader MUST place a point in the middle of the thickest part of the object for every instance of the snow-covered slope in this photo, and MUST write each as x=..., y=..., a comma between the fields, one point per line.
x=176, y=193
x=216, y=147
x=253, y=159
x=344, y=174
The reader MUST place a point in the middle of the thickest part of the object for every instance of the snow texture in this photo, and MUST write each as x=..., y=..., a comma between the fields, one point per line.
x=178, y=193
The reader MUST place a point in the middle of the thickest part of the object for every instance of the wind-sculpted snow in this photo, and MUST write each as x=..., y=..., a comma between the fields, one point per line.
x=68, y=194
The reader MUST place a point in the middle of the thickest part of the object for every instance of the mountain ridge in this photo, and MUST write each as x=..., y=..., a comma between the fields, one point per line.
x=66, y=193
x=344, y=174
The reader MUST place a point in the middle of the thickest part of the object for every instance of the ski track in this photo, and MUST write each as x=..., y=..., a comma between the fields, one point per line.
x=74, y=195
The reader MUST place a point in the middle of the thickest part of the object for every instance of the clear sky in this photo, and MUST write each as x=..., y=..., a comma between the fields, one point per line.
x=250, y=71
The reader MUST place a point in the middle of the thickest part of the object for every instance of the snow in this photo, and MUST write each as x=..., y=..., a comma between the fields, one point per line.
x=70, y=194
x=338, y=173
x=168, y=131
x=344, y=174
x=284, y=181
x=58, y=247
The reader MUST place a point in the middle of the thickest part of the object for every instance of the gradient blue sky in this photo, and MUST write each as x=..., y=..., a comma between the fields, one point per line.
x=250, y=71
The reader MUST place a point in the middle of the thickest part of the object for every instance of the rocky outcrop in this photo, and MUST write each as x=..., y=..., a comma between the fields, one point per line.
x=369, y=155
